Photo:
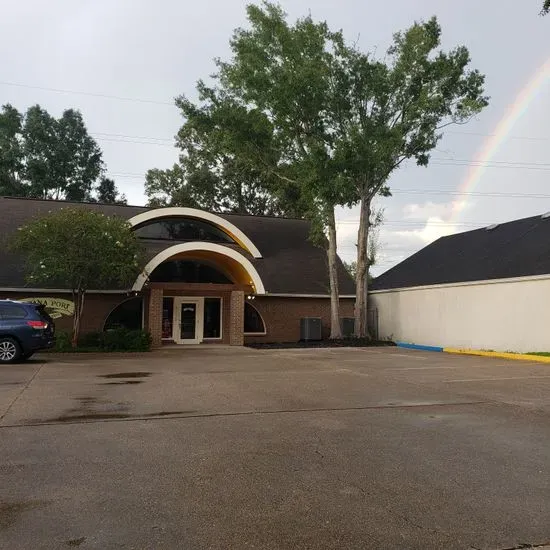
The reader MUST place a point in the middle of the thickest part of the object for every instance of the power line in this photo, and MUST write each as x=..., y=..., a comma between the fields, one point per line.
x=131, y=137
x=90, y=94
x=496, y=194
x=529, y=138
x=490, y=162
x=420, y=223
x=136, y=142
x=539, y=167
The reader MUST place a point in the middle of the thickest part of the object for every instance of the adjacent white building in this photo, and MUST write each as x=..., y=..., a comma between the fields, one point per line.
x=484, y=289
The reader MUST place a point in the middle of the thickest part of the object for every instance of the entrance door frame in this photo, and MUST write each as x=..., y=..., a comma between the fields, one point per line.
x=199, y=319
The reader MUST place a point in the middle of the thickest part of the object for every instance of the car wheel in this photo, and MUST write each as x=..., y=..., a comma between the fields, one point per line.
x=10, y=350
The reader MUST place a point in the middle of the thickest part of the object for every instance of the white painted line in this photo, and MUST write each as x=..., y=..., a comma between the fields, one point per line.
x=350, y=371
x=425, y=368
x=496, y=379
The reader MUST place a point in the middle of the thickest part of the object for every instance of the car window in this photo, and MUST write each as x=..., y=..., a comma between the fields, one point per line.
x=41, y=310
x=12, y=311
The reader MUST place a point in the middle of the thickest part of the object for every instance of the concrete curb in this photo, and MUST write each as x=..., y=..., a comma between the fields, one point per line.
x=501, y=355
x=418, y=347
x=497, y=354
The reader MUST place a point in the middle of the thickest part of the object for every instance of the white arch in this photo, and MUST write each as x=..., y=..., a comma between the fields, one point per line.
x=166, y=254
x=179, y=211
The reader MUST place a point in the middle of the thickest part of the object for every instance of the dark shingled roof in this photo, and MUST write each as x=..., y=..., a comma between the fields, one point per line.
x=513, y=249
x=291, y=264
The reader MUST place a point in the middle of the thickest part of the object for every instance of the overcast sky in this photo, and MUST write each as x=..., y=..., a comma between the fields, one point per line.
x=156, y=50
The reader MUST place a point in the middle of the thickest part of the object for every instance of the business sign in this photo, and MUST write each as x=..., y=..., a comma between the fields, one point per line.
x=56, y=307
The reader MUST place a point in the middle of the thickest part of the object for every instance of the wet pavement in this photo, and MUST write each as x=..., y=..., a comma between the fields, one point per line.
x=236, y=448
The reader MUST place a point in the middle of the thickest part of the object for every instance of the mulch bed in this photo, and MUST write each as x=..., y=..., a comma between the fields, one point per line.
x=345, y=343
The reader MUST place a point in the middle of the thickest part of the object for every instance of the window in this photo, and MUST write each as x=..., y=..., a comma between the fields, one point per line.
x=188, y=271
x=128, y=314
x=182, y=229
x=167, y=318
x=12, y=311
x=253, y=322
x=212, y=318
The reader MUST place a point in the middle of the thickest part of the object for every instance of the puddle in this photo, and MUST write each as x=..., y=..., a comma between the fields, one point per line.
x=122, y=383
x=76, y=542
x=11, y=511
x=92, y=416
x=127, y=375
x=111, y=416
x=165, y=413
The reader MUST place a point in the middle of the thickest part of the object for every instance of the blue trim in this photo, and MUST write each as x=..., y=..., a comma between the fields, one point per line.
x=418, y=346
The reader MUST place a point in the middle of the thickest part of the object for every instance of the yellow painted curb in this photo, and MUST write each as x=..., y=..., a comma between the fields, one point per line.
x=501, y=355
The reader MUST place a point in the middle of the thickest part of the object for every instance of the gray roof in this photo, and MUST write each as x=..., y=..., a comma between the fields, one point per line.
x=518, y=248
x=290, y=263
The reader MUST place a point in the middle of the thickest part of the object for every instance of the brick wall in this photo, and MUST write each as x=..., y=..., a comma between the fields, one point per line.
x=236, y=335
x=96, y=308
x=282, y=316
x=154, y=316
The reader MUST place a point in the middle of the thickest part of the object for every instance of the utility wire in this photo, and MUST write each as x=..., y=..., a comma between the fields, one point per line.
x=527, y=138
x=421, y=223
x=90, y=94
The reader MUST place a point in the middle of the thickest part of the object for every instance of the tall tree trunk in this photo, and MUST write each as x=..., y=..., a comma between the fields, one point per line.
x=361, y=277
x=78, y=299
x=335, y=329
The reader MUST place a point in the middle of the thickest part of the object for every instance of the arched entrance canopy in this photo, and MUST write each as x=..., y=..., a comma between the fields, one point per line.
x=205, y=249
x=232, y=230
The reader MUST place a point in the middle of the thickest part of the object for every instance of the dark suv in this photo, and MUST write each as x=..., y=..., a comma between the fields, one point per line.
x=24, y=329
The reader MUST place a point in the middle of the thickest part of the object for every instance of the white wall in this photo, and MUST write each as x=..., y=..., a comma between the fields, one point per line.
x=508, y=315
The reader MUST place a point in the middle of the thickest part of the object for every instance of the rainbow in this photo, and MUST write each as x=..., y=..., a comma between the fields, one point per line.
x=501, y=133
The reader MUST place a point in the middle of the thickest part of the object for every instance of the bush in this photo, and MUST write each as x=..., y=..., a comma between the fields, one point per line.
x=122, y=339
x=62, y=342
x=112, y=340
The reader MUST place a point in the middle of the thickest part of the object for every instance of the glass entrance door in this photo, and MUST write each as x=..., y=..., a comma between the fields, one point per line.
x=188, y=325
x=188, y=320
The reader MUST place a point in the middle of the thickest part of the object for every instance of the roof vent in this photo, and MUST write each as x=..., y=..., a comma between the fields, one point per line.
x=544, y=216
x=491, y=227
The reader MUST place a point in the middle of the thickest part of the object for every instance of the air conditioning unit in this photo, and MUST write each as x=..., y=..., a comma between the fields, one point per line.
x=348, y=327
x=310, y=328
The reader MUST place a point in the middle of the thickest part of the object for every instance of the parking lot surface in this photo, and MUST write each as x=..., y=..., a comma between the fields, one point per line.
x=233, y=448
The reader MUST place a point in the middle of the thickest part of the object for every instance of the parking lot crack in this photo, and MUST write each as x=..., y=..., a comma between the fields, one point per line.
x=16, y=398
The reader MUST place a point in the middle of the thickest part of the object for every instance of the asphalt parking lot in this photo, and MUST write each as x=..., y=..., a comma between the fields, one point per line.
x=219, y=448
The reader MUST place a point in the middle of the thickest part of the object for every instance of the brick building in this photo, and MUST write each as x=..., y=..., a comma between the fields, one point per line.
x=209, y=278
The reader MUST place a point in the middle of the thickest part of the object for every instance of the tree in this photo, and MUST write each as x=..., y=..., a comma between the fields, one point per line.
x=377, y=218
x=49, y=158
x=79, y=249
x=545, y=7
x=107, y=192
x=351, y=268
x=285, y=72
x=218, y=140
x=393, y=110
x=11, y=153
x=170, y=188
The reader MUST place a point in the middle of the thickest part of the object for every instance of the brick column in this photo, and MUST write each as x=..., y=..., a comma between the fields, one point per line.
x=155, y=316
x=236, y=313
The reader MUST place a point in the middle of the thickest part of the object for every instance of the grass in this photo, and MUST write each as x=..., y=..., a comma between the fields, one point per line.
x=539, y=353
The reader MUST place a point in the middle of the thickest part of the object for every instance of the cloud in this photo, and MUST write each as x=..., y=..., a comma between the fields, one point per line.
x=431, y=209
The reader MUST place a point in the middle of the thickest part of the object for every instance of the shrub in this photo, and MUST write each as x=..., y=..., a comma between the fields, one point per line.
x=62, y=342
x=112, y=340
x=122, y=339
